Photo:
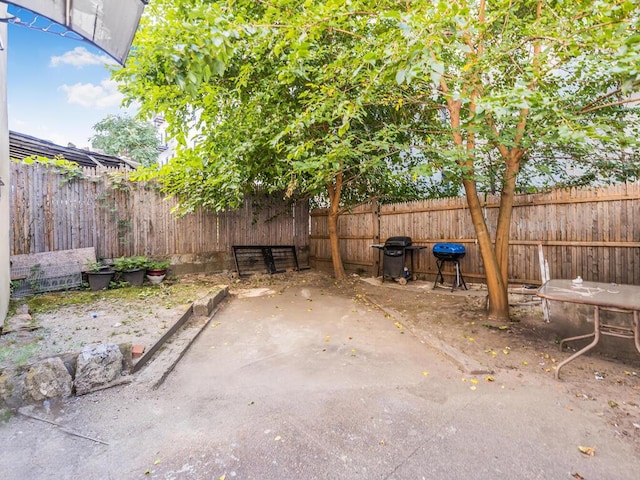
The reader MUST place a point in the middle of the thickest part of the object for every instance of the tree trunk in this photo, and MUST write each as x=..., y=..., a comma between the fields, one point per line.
x=503, y=228
x=496, y=287
x=334, y=190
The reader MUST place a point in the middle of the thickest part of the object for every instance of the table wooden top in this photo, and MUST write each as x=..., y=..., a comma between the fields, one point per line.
x=608, y=295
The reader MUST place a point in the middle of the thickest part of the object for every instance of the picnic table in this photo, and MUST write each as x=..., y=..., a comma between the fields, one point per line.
x=602, y=296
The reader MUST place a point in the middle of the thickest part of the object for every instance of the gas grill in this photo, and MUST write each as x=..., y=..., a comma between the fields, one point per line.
x=449, y=253
x=394, y=259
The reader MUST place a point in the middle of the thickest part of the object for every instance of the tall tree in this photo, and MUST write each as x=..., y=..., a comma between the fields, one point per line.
x=267, y=110
x=519, y=82
x=127, y=137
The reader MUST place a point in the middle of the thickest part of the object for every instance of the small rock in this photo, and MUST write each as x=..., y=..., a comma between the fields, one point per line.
x=98, y=365
x=22, y=321
x=47, y=379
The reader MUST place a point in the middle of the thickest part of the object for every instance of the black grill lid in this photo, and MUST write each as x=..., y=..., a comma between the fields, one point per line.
x=398, y=242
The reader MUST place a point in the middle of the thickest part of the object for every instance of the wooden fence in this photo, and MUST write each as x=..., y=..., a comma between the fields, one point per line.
x=592, y=232
x=50, y=212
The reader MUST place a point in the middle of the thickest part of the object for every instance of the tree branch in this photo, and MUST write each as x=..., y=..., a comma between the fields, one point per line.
x=612, y=104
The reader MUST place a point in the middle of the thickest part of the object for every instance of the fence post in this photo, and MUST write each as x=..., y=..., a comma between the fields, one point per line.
x=375, y=230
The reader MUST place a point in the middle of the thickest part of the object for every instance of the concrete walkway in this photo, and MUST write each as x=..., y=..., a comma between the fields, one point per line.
x=307, y=385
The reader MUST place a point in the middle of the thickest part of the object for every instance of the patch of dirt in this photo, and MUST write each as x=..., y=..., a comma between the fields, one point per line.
x=526, y=347
x=67, y=321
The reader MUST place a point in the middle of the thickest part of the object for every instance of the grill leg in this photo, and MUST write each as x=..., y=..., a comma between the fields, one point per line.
x=459, y=278
x=457, y=282
x=439, y=264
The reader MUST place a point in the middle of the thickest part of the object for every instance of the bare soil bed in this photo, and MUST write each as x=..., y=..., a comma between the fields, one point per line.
x=65, y=322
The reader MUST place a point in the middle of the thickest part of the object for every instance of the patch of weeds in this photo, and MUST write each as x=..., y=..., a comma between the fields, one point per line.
x=19, y=354
x=5, y=415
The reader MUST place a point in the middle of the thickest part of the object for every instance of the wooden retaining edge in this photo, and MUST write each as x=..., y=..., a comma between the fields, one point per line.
x=185, y=317
x=147, y=356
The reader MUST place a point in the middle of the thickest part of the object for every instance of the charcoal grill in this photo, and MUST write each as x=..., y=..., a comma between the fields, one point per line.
x=395, y=252
x=449, y=253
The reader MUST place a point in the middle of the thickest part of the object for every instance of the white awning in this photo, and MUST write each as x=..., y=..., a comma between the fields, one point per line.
x=108, y=24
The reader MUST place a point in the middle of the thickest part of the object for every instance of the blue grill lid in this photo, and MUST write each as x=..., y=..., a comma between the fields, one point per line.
x=449, y=248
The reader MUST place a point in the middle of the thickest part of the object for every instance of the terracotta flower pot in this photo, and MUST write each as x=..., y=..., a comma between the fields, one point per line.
x=156, y=276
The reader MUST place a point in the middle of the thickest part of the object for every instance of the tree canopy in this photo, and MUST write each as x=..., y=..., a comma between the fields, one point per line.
x=127, y=137
x=304, y=95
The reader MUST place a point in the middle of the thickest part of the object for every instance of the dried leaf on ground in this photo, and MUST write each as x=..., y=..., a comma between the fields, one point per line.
x=587, y=450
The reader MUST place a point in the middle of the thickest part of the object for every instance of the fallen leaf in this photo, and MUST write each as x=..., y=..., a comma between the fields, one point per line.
x=425, y=373
x=223, y=477
x=277, y=439
x=309, y=309
x=474, y=381
x=472, y=387
x=587, y=450
x=612, y=404
x=327, y=339
x=398, y=324
x=353, y=352
x=489, y=378
x=382, y=442
x=471, y=339
x=503, y=327
x=147, y=472
x=157, y=462
x=505, y=351
x=525, y=363
x=577, y=476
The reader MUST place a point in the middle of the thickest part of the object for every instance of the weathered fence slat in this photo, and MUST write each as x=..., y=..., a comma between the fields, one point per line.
x=592, y=232
x=119, y=218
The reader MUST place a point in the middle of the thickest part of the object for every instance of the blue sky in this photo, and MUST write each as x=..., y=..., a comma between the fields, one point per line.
x=57, y=87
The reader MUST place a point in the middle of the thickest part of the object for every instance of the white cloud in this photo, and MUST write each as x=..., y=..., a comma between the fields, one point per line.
x=80, y=57
x=105, y=95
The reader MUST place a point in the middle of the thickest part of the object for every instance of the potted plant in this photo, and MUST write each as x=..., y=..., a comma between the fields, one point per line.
x=99, y=275
x=157, y=270
x=131, y=269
